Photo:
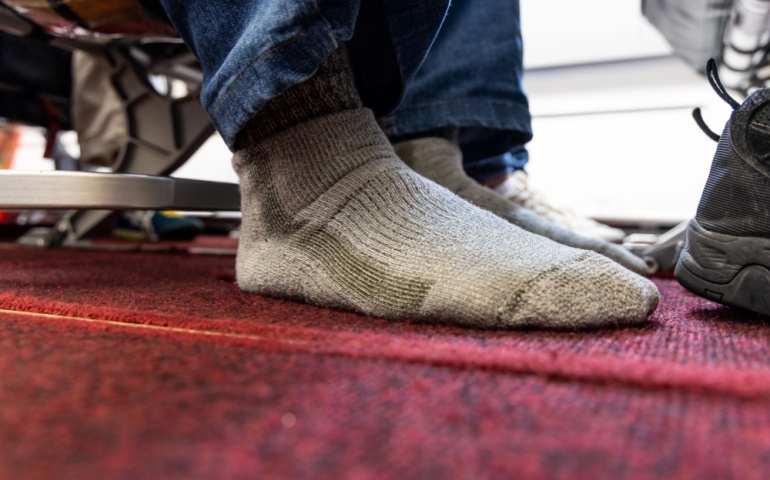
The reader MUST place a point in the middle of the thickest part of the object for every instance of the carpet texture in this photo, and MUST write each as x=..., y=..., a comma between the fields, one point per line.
x=143, y=365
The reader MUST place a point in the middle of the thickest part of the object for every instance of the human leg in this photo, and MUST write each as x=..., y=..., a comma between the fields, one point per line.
x=253, y=50
x=332, y=217
x=470, y=90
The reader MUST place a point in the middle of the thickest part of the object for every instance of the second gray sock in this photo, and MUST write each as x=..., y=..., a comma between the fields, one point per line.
x=441, y=161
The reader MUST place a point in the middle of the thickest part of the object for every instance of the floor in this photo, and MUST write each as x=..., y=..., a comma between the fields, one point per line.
x=128, y=365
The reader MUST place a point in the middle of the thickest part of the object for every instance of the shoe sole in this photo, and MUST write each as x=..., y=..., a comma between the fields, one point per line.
x=730, y=270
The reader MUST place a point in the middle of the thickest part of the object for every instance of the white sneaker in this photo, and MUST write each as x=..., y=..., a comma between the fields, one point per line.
x=516, y=189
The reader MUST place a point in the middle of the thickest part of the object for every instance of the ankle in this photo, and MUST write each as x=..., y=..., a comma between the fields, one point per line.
x=330, y=90
x=285, y=173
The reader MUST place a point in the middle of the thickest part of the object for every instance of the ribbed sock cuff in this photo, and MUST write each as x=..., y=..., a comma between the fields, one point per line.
x=332, y=89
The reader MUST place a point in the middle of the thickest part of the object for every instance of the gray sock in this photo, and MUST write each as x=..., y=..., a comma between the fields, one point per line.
x=441, y=161
x=332, y=217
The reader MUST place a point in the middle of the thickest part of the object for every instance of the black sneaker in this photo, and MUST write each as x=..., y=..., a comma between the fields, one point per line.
x=726, y=255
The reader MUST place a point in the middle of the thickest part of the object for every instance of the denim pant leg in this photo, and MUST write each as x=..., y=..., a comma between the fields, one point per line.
x=472, y=79
x=253, y=50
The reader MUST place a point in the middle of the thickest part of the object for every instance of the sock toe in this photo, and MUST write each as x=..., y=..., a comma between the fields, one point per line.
x=588, y=292
x=622, y=256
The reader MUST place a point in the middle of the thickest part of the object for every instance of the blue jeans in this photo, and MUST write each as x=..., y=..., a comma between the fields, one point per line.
x=472, y=79
x=253, y=50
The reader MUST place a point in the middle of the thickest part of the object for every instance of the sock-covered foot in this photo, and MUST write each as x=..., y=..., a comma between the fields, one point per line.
x=441, y=161
x=332, y=217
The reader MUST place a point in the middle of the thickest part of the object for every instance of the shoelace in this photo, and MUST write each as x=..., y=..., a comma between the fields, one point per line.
x=716, y=84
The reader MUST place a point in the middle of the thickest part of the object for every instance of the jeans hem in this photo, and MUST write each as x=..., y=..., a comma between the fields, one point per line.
x=493, y=114
x=233, y=108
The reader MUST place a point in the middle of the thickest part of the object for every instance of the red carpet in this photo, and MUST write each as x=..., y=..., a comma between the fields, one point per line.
x=154, y=365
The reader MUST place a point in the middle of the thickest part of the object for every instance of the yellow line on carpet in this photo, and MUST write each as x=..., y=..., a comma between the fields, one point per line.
x=749, y=384
x=155, y=327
